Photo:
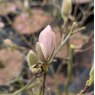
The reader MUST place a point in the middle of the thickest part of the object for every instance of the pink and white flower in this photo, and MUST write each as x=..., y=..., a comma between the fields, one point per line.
x=47, y=43
x=45, y=48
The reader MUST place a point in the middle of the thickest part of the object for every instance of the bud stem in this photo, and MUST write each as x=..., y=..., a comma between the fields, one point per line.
x=44, y=79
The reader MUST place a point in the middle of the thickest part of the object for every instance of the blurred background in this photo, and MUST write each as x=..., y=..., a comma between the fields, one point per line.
x=21, y=21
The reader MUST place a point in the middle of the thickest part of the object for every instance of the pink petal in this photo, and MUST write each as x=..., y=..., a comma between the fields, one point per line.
x=47, y=41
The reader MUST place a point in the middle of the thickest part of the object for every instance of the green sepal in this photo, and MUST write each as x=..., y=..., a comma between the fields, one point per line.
x=32, y=58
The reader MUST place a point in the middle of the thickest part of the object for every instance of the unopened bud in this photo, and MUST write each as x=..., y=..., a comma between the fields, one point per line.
x=66, y=9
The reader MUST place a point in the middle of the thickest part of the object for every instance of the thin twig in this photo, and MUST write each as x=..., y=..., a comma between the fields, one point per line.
x=44, y=79
x=55, y=81
x=84, y=90
x=86, y=49
x=27, y=86
x=76, y=8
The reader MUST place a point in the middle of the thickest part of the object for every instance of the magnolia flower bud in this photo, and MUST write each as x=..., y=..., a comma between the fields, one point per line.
x=44, y=48
x=66, y=9
x=47, y=42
